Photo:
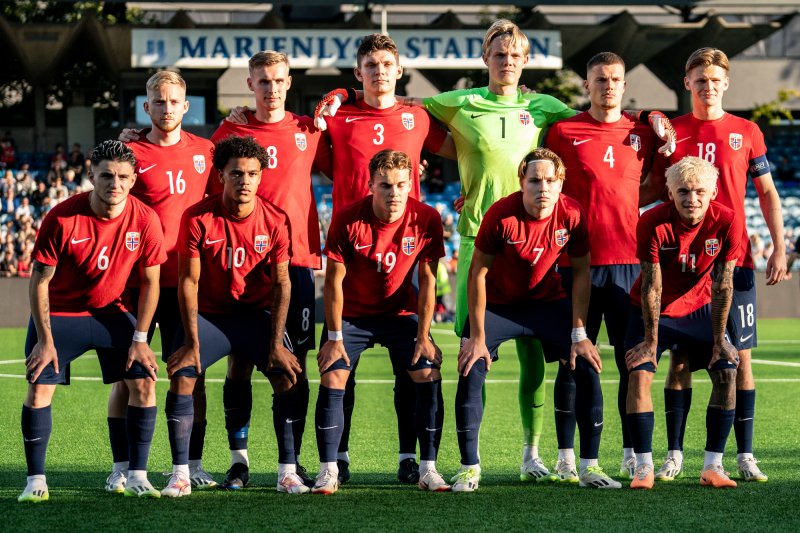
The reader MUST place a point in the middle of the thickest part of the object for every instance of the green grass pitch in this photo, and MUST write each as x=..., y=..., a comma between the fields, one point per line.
x=79, y=460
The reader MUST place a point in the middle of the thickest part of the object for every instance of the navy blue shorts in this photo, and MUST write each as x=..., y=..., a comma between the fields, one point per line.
x=398, y=334
x=610, y=299
x=300, y=321
x=168, y=316
x=690, y=334
x=549, y=322
x=742, y=316
x=110, y=335
x=246, y=334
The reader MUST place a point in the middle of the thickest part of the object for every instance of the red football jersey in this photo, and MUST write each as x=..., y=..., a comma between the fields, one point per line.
x=605, y=163
x=95, y=257
x=380, y=257
x=235, y=255
x=731, y=144
x=686, y=254
x=286, y=181
x=525, y=250
x=359, y=131
x=169, y=180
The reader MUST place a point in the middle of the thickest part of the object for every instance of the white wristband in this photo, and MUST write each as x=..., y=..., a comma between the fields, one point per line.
x=335, y=335
x=578, y=335
x=139, y=336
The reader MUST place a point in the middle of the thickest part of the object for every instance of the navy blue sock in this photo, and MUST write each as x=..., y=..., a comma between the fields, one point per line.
x=299, y=427
x=427, y=415
x=622, y=395
x=673, y=412
x=718, y=427
x=197, y=440
x=743, y=423
x=237, y=398
x=118, y=436
x=641, y=425
x=37, y=424
x=564, y=403
x=588, y=408
x=286, y=412
x=141, y=425
x=469, y=411
x=329, y=419
x=405, y=403
x=179, y=409
x=439, y=415
x=348, y=403
x=687, y=405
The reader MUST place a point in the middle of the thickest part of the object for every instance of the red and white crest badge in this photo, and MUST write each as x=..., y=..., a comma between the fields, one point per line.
x=524, y=118
x=712, y=247
x=408, y=120
x=562, y=236
x=636, y=142
x=409, y=245
x=300, y=141
x=199, y=163
x=735, y=140
x=132, y=239
x=262, y=243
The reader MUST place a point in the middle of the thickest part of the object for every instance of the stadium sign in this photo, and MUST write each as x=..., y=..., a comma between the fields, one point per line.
x=310, y=48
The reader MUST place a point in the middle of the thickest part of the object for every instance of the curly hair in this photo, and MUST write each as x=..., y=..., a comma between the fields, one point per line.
x=238, y=147
x=112, y=151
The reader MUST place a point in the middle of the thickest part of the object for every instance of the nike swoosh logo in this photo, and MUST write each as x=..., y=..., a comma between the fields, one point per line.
x=668, y=248
x=301, y=341
x=744, y=419
x=576, y=142
x=562, y=411
x=598, y=424
x=290, y=421
x=745, y=339
x=174, y=420
x=143, y=170
x=209, y=242
x=509, y=241
x=463, y=430
x=78, y=241
x=477, y=115
x=681, y=140
x=429, y=429
x=351, y=119
x=538, y=406
x=330, y=427
x=362, y=246
x=32, y=440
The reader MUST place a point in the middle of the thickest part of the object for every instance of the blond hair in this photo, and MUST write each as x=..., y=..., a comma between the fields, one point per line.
x=386, y=160
x=708, y=57
x=267, y=58
x=542, y=154
x=691, y=171
x=504, y=27
x=164, y=77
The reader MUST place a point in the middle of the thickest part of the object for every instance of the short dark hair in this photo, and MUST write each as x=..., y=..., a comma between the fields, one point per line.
x=386, y=160
x=604, y=58
x=238, y=147
x=375, y=42
x=112, y=151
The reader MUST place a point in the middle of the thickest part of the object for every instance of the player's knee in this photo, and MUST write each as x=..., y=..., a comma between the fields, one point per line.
x=39, y=396
x=640, y=380
x=281, y=384
x=143, y=392
x=425, y=375
x=723, y=388
x=239, y=368
x=182, y=385
x=335, y=379
x=199, y=386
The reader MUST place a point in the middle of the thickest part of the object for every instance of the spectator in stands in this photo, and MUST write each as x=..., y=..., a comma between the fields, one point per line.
x=26, y=232
x=25, y=184
x=24, y=209
x=8, y=182
x=7, y=154
x=8, y=265
x=38, y=195
x=9, y=202
x=453, y=262
x=57, y=188
x=69, y=182
x=76, y=160
x=449, y=226
x=61, y=195
x=24, y=264
x=47, y=205
x=58, y=163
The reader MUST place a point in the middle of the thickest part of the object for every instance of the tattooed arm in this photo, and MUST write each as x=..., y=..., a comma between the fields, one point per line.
x=279, y=356
x=44, y=352
x=651, y=310
x=721, y=297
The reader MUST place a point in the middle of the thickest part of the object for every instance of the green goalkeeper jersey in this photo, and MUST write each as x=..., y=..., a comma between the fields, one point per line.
x=492, y=134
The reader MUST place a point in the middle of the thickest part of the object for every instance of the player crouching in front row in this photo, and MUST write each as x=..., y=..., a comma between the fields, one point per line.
x=519, y=241
x=233, y=292
x=678, y=306
x=373, y=246
x=84, y=253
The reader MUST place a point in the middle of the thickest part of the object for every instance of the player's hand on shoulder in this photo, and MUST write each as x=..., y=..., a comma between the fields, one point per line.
x=641, y=353
x=724, y=351
x=331, y=352
x=238, y=115
x=427, y=349
x=473, y=350
x=588, y=351
x=140, y=352
x=328, y=106
x=183, y=357
x=129, y=135
x=285, y=360
x=43, y=353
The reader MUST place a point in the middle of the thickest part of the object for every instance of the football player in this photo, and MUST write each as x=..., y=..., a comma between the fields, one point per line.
x=521, y=238
x=373, y=247
x=234, y=292
x=676, y=304
x=736, y=147
x=84, y=253
x=173, y=169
